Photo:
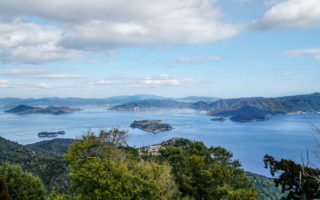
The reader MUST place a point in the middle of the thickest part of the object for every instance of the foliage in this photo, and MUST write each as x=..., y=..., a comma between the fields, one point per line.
x=265, y=186
x=4, y=192
x=289, y=178
x=22, y=185
x=101, y=168
x=50, y=166
x=207, y=173
x=55, y=195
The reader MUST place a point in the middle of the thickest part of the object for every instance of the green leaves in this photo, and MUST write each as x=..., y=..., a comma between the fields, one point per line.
x=22, y=185
x=102, y=168
x=207, y=173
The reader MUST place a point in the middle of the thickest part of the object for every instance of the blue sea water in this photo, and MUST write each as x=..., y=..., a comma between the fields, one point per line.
x=283, y=136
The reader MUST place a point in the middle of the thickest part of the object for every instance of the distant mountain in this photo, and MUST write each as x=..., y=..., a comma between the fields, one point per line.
x=23, y=109
x=74, y=101
x=196, y=98
x=151, y=104
x=259, y=108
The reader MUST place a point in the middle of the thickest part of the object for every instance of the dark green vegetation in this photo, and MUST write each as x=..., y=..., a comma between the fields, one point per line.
x=179, y=168
x=23, y=109
x=206, y=173
x=151, y=125
x=300, y=182
x=22, y=185
x=4, y=191
x=219, y=119
x=265, y=186
x=45, y=161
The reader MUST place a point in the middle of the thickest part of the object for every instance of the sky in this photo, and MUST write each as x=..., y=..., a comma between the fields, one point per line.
x=172, y=48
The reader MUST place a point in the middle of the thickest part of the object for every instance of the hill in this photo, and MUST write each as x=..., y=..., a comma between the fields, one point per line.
x=24, y=109
x=259, y=108
x=151, y=104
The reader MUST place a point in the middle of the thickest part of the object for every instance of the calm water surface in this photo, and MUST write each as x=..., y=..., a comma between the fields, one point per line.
x=286, y=136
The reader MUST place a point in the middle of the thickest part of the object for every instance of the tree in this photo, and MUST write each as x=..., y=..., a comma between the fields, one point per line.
x=102, y=167
x=4, y=192
x=207, y=173
x=292, y=180
x=22, y=185
x=298, y=181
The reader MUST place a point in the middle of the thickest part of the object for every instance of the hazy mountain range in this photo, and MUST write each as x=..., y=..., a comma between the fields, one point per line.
x=238, y=109
x=75, y=101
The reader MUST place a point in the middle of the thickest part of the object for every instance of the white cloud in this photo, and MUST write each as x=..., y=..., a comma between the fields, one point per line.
x=198, y=58
x=97, y=25
x=162, y=80
x=315, y=52
x=24, y=42
x=37, y=73
x=26, y=85
x=290, y=13
x=24, y=71
x=62, y=76
x=3, y=83
x=287, y=73
x=316, y=57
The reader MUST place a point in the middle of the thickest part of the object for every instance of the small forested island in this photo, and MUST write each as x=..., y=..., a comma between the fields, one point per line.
x=249, y=118
x=24, y=109
x=51, y=134
x=151, y=125
x=219, y=119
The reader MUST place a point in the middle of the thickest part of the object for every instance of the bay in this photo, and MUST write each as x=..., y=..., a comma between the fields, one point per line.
x=283, y=136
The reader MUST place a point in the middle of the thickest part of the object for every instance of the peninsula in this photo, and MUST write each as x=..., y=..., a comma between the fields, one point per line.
x=24, y=109
x=154, y=126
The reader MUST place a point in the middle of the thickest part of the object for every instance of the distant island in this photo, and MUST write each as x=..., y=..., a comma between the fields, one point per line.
x=24, y=109
x=51, y=134
x=154, y=126
x=220, y=119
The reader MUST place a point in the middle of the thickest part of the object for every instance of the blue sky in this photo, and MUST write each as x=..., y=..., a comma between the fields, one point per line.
x=174, y=48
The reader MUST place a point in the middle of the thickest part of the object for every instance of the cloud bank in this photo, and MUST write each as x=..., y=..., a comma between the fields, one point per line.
x=68, y=29
x=289, y=14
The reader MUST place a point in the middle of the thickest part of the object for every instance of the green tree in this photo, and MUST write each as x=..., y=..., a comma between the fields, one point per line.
x=102, y=167
x=291, y=178
x=207, y=173
x=4, y=192
x=22, y=185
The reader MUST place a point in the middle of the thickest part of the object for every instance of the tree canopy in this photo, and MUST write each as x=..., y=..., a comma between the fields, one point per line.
x=22, y=185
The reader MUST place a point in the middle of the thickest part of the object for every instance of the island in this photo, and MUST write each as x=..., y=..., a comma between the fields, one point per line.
x=249, y=118
x=24, y=109
x=219, y=119
x=50, y=134
x=154, y=126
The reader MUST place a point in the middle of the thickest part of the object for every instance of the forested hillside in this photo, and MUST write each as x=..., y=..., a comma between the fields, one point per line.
x=187, y=165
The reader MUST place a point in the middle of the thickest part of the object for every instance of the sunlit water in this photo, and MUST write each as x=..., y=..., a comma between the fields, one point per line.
x=286, y=136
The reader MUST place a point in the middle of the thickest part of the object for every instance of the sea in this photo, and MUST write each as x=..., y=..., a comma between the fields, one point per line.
x=282, y=136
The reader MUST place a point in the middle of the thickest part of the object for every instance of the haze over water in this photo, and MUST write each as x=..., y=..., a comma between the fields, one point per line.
x=283, y=136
